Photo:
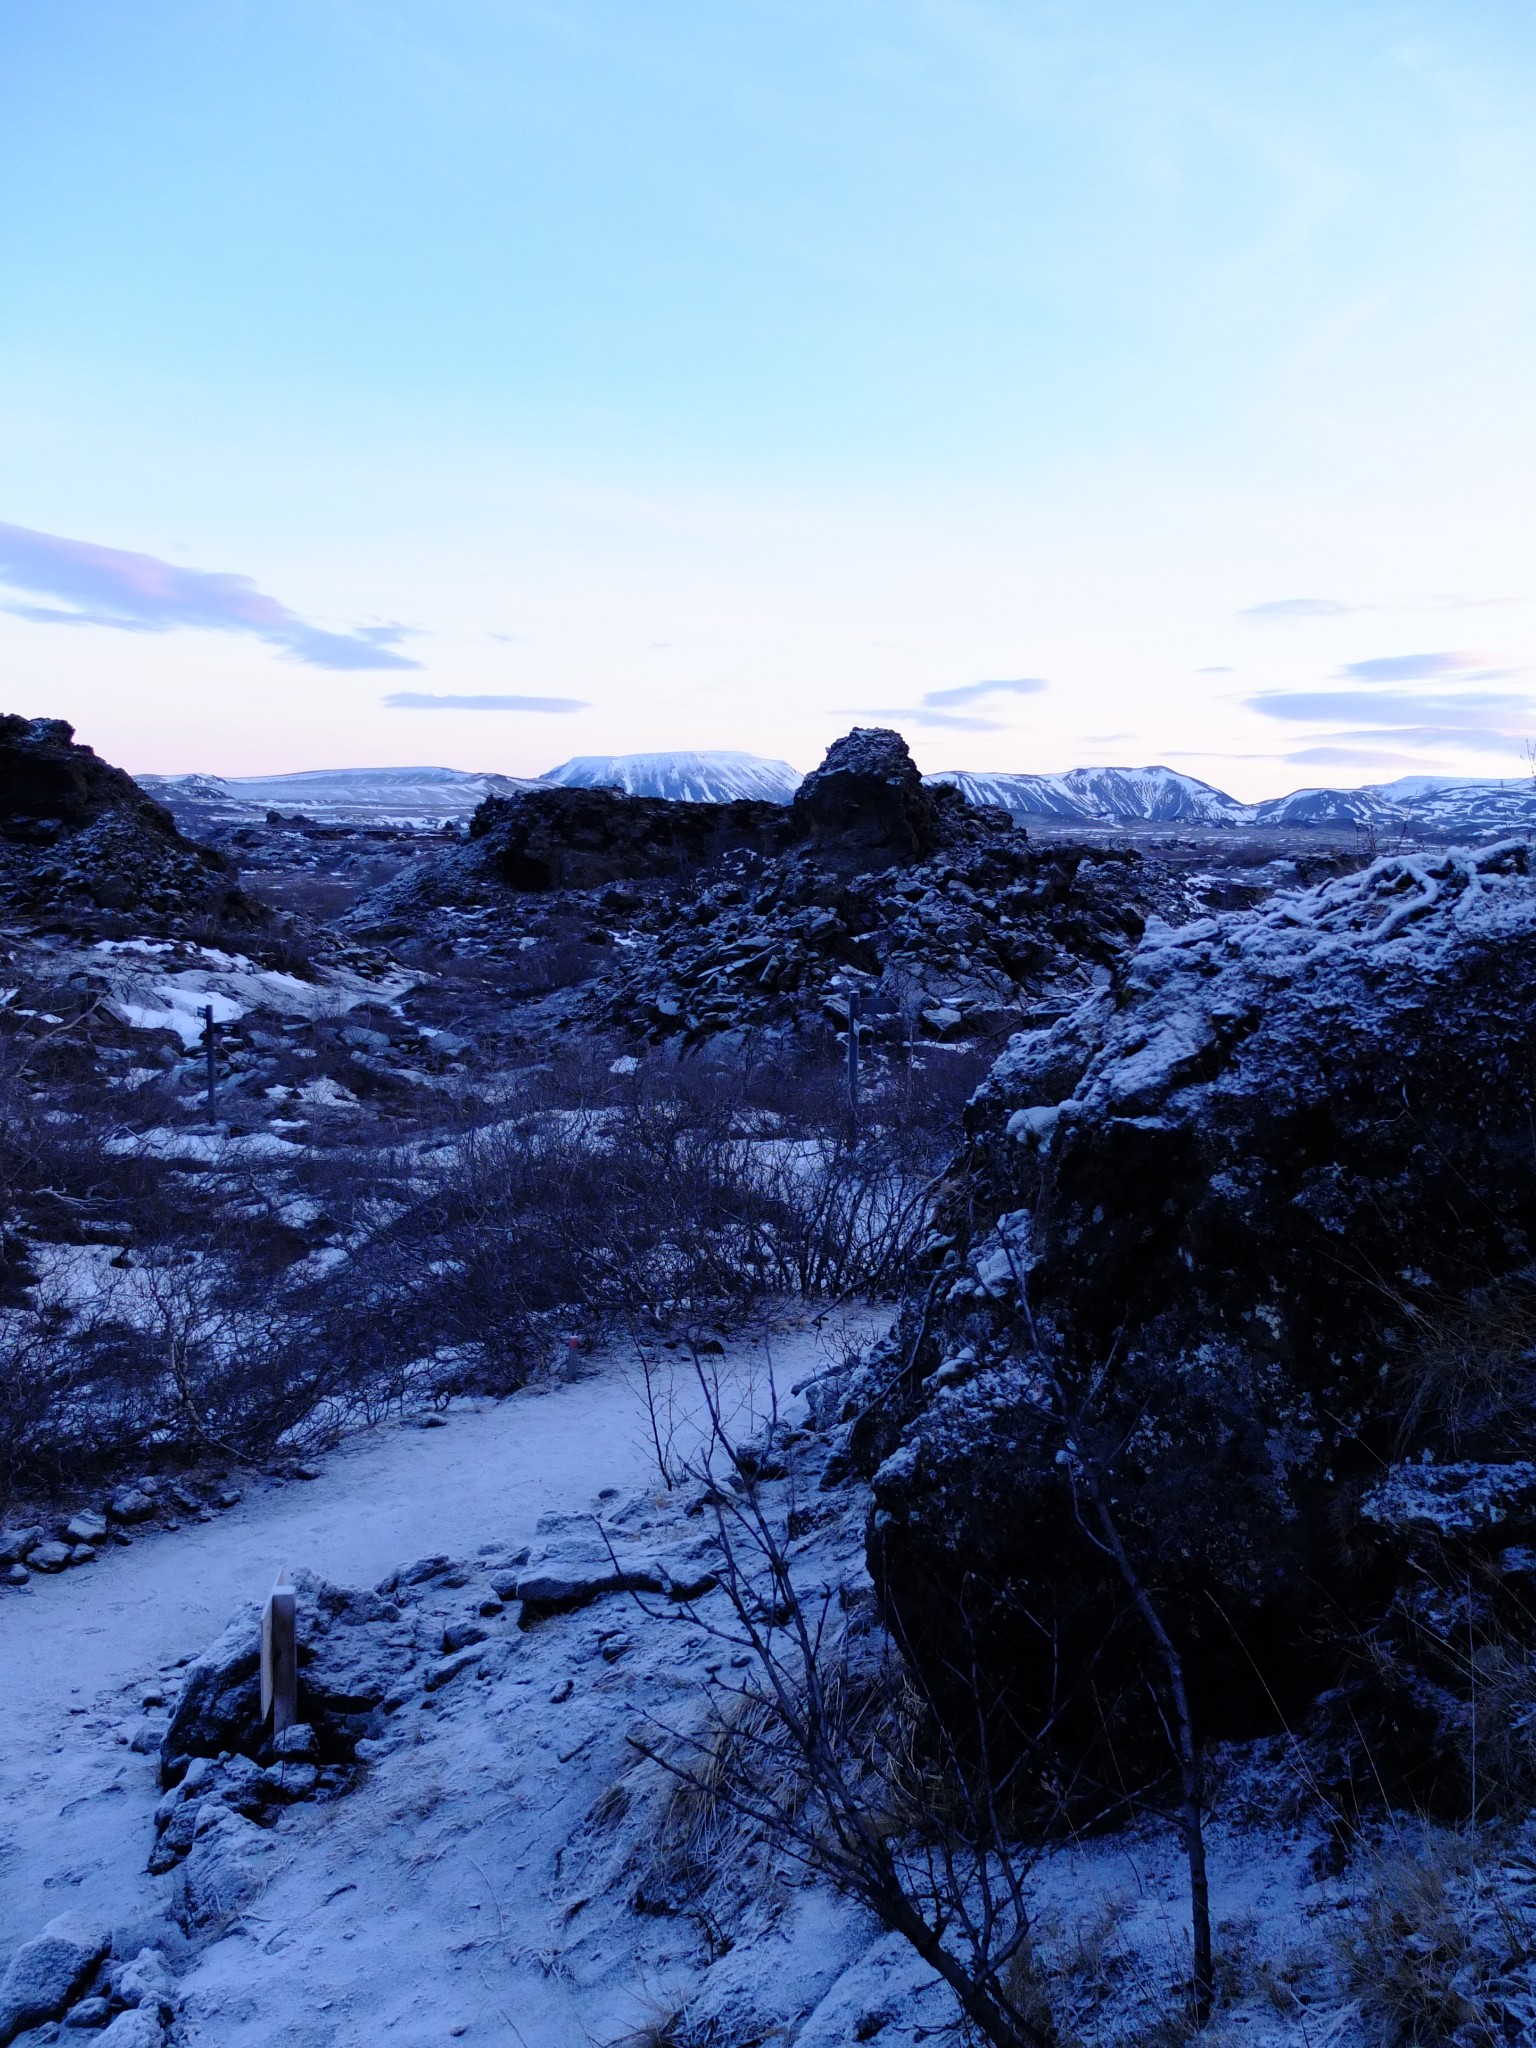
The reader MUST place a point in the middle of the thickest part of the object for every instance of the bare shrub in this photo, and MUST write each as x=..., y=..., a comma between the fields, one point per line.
x=828, y=1754
x=462, y=1256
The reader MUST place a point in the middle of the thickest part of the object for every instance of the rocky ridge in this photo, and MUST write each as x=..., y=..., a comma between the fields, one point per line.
x=80, y=842
x=704, y=924
x=1224, y=1243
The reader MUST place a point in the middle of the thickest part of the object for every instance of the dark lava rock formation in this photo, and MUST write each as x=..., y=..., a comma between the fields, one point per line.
x=79, y=838
x=544, y=839
x=1241, y=1250
x=865, y=805
x=707, y=923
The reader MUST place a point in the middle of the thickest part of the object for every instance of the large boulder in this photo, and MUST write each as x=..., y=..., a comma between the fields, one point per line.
x=1247, y=1234
x=866, y=804
x=79, y=838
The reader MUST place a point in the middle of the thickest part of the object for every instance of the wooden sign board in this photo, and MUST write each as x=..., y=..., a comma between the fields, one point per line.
x=279, y=1657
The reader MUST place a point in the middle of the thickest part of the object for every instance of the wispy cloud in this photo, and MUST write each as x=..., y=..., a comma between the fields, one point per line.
x=1415, y=668
x=1281, y=608
x=1391, y=707
x=938, y=708
x=97, y=586
x=1381, y=702
x=1350, y=757
x=978, y=693
x=1278, y=610
x=423, y=700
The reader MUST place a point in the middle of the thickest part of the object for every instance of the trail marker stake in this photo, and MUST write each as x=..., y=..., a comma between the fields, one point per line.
x=213, y=1068
x=279, y=1657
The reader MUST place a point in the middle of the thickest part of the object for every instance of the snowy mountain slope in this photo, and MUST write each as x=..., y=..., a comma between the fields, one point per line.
x=1484, y=806
x=1364, y=808
x=1433, y=806
x=705, y=778
x=425, y=797
x=1103, y=795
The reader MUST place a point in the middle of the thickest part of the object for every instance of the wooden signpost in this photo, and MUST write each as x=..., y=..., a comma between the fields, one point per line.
x=210, y=1046
x=279, y=1657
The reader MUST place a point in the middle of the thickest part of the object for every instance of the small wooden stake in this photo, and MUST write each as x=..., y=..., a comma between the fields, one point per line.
x=279, y=1657
x=210, y=1047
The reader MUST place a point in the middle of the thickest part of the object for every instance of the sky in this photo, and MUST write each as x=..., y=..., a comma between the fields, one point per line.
x=483, y=382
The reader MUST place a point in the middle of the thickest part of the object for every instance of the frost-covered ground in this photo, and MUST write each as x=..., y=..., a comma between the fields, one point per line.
x=81, y=1652
x=479, y=1883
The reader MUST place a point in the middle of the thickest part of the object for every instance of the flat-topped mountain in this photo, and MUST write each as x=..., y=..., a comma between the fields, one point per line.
x=708, y=778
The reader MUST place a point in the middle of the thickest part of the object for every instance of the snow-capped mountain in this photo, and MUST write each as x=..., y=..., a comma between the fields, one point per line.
x=1465, y=804
x=1366, y=809
x=1103, y=796
x=425, y=798
x=707, y=778
x=1426, y=806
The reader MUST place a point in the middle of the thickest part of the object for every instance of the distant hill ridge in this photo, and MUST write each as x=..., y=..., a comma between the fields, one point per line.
x=432, y=797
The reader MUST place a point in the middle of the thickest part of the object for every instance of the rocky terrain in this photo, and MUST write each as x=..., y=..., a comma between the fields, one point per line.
x=719, y=924
x=1181, y=1522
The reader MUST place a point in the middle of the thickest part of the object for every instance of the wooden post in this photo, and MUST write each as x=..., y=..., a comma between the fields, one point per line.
x=279, y=1657
x=213, y=1070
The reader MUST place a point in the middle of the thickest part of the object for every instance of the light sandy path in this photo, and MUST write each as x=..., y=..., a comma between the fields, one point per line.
x=77, y=1652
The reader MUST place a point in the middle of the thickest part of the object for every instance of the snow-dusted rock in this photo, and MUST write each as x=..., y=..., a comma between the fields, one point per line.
x=1456, y=1500
x=1228, y=1204
x=229, y=1863
x=346, y=1670
x=132, y=1504
x=15, y=1543
x=89, y=2013
x=139, y=2027
x=145, y=1982
x=46, y=1973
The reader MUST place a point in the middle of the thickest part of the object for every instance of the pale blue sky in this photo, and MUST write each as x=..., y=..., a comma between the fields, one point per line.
x=716, y=372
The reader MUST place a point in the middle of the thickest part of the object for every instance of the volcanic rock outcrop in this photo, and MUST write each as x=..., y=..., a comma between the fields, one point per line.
x=79, y=838
x=1236, y=1274
x=702, y=922
x=866, y=805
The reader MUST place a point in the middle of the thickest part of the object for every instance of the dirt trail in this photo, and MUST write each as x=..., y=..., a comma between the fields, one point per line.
x=79, y=1652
